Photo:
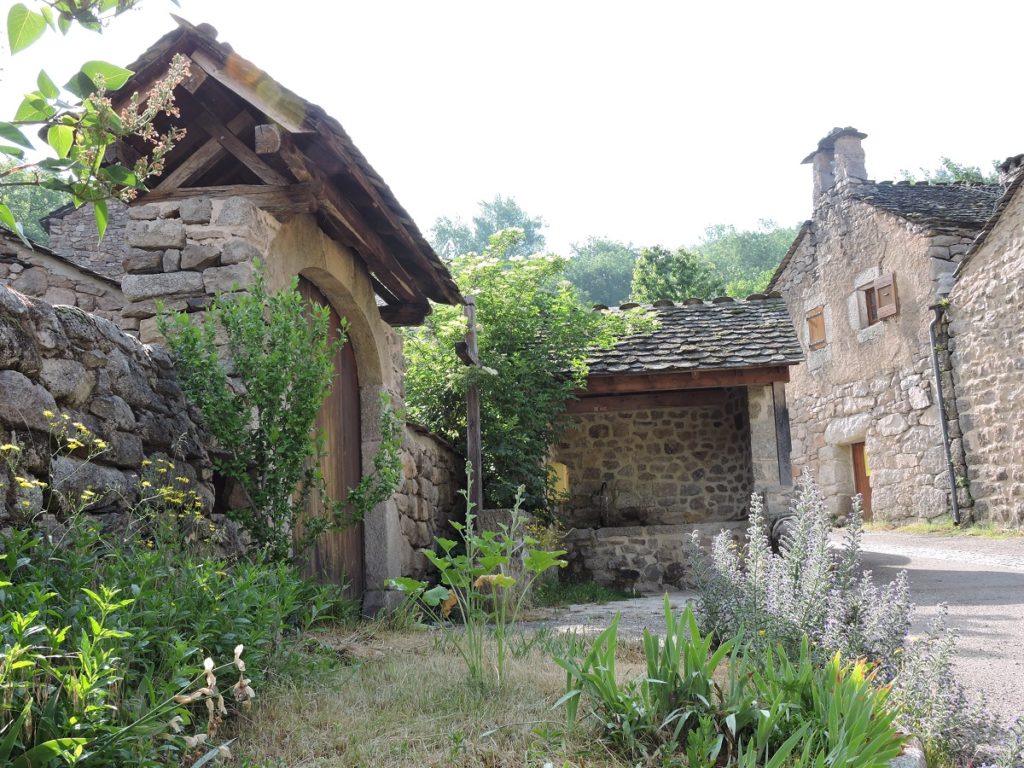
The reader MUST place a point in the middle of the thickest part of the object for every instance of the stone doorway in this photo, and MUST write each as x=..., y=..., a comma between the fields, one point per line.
x=862, y=477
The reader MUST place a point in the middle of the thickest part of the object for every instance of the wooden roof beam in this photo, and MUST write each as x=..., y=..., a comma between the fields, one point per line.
x=636, y=383
x=273, y=140
x=204, y=158
x=284, y=199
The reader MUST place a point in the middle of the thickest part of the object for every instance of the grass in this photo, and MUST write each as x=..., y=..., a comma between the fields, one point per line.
x=946, y=528
x=401, y=703
x=560, y=594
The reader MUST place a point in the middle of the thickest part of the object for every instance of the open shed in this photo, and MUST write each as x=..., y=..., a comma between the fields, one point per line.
x=673, y=432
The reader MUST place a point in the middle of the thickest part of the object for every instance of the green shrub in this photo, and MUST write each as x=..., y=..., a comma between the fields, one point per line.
x=767, y=711
x=102, y=641
x=279, y=348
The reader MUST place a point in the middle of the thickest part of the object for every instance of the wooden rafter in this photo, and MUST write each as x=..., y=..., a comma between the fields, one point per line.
x=204, y=158
x=217, y=130
x=377, y=254
x=288, y=112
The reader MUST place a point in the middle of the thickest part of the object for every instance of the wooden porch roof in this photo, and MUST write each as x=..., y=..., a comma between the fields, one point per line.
x=249, y=135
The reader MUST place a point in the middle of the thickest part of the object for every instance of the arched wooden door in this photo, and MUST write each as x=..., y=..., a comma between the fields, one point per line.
x=338, y=555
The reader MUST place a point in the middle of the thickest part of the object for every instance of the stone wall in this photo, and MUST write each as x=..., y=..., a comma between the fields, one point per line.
x=986, y=311
x=38, y=273
x=641, y=558
x=64, y=361
x=870, y=383
x=73, y=236
x=182, y=253
x=427, y=496
x=659, y=466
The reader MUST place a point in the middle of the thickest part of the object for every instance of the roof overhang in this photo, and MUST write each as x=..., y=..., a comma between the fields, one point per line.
x=247, y=135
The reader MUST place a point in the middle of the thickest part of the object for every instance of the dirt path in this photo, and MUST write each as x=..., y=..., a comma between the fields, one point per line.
x=980, y=580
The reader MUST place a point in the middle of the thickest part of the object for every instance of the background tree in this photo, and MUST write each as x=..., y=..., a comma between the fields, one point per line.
x=745, y=259
x=534, y=334
x=676, y=275
x=602, y=270
x=30, y=203
x=453, y=237
x=950, y=171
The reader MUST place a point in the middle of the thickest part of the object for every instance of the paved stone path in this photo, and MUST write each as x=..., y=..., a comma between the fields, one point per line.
x=980, y=580
x=982, y=583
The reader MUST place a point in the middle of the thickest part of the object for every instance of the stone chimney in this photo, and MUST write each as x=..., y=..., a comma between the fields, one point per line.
x=1010, y=169
x=839, y=158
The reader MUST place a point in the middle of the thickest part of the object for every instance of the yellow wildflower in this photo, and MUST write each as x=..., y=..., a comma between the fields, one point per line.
x=146, y=462
x=48, y=414
x=146, y=484
x=8, y=447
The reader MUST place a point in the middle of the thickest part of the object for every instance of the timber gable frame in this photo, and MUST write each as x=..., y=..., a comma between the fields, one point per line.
x=249, y=136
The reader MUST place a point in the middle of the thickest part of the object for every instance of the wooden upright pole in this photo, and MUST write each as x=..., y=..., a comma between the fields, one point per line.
x=473, y=437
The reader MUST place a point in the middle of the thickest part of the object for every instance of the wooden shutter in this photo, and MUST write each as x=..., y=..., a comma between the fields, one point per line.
x=816, y=328
x=885, y=294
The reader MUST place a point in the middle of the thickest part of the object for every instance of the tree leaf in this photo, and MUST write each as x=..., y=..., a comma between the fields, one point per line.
x=13, y=133
x=80, y=85
x=8, y=220
x=100, y=209
x=113, y=76
x=61, y=138
x=34, y=109
x=46, y=86
x=24, y=27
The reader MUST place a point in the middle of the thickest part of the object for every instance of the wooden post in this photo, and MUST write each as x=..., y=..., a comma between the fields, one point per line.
x=473, y=437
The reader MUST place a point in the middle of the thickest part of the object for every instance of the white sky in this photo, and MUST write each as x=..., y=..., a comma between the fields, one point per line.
x=640, y=121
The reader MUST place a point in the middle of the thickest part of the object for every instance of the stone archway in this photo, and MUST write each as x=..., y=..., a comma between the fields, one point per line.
x=300, y=249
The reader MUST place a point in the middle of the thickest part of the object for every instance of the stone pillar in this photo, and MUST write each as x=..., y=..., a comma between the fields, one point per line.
x=764, y=450
x=849, y=154
x=824, y=177
x=184, y=252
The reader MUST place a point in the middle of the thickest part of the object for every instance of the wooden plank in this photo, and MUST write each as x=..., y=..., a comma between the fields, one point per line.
x=680, y=399
x=783, y=439
x=377, y=255
x=213, y=126
x=257, y=88
x=423, y=262
x=474, y=438
x=610, y=384
x=203, y=159
x=397, y=315
x=284, y=199
x=862, y=477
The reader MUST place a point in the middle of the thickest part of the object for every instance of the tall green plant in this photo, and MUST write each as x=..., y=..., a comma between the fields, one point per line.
x=534, y=337
x=260, y=395
x=487, y=576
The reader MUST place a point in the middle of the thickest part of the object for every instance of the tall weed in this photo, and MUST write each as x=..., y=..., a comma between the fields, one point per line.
x=805, y=589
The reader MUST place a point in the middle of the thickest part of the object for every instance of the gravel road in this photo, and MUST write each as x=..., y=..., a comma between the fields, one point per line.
x=980, y=580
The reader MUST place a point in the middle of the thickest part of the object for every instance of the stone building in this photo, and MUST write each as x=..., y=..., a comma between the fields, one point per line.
x=986, y=328
x=674, y=431
x=265, y=176
x=42, y=273
x=863, y=282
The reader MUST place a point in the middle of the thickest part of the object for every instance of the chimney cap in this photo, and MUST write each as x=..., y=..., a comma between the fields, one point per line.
x=828, y=143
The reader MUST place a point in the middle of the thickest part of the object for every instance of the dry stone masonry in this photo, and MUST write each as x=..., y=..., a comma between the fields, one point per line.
x=986, y=307
x=61, y=360
x=40, y=273
x=870, y=380
x=659, y=466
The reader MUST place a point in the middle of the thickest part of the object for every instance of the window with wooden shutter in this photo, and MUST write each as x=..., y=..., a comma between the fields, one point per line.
x=885, y=296
x=816, y=328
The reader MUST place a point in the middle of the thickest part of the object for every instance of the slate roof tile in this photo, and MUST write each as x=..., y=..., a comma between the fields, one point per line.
x=708, y=335
x=968, y=205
